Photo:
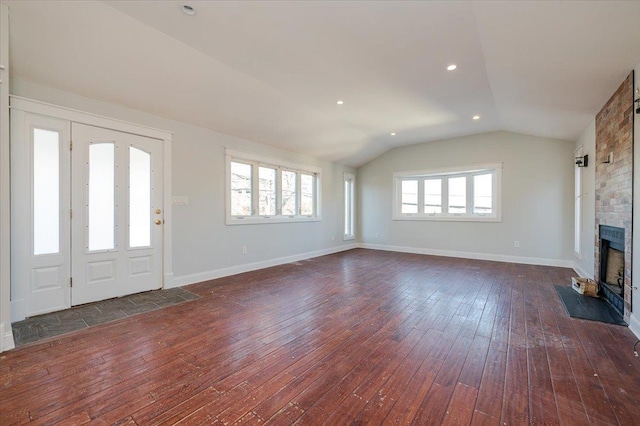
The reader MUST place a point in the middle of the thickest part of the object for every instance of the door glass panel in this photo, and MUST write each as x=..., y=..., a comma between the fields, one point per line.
x=139, y=198
x=306, y=195
x=240, y=189
x=288, y=193
x=101, y=197
x=46, y=192
x=267, y=191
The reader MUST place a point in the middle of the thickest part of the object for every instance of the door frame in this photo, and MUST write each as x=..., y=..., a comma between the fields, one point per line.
x=6, y=335
x=18, y=103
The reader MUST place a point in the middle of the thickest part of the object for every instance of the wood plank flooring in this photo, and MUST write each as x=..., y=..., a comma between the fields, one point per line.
x=359, y=337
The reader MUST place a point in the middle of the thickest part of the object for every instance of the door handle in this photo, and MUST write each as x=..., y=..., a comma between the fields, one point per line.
x=158, y=222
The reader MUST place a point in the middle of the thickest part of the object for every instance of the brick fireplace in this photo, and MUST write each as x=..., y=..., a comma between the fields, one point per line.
x=614, y=196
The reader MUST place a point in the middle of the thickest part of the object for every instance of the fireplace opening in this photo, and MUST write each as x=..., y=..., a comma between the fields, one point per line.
x=614, y=270
x=612, y=248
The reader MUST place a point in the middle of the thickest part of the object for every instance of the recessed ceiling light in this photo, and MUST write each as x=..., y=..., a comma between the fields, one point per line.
x=393, y=134
x=452, y=67
x=476, y=117
x=340, y=102
x=188, y=10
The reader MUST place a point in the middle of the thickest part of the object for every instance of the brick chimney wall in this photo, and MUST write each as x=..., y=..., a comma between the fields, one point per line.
x=614, y=181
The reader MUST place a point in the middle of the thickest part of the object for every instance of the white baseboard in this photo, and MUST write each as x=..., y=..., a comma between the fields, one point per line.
x=247, y=267
x=6, y=336
x=472, y=255
x=238, y=269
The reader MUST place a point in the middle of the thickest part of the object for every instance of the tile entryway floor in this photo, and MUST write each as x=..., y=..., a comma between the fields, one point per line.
x=56, y=323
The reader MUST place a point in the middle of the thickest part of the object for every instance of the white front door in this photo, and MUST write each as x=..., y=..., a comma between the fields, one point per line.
x=117, y=218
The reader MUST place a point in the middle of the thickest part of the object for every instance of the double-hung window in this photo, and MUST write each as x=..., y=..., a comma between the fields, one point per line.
x=266, y=190
x=470, y=193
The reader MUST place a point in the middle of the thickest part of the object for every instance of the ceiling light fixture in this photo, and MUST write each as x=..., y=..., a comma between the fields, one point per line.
x=340, y=102
x=393, y=134
x=452, y=67
x=476, y=117
x=188, y=10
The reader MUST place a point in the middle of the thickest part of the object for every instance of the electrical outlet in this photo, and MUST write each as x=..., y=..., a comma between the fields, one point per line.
x=333, y=238
x=244, y=249
x=377, y=235
x=516, y=244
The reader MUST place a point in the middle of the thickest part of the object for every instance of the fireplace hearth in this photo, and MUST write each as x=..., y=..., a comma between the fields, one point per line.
x=611, y=279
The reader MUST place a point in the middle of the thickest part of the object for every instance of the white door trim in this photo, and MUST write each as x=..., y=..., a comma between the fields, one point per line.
x=6, y=336
x=71, y=115
x=64, y=113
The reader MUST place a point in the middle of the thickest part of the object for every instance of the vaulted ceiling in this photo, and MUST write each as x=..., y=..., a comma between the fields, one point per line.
x=272, y=72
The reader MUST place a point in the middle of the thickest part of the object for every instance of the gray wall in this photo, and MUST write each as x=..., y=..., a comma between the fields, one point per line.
x=537, y=200
x=203, y=246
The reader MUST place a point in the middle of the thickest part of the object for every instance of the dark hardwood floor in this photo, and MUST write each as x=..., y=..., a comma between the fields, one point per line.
x=360, y=337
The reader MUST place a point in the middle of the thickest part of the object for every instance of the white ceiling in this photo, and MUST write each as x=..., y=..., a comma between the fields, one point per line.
x=273, y=71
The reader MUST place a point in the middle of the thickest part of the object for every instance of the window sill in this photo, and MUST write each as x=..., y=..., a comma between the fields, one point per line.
x=273, y=219
x=450, y=218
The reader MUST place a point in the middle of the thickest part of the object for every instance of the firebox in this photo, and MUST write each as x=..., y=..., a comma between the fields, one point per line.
x=612, y=247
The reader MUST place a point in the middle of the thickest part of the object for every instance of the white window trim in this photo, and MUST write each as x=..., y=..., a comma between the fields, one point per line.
x=258, y=160
x=420, y=175
x=350, y=177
